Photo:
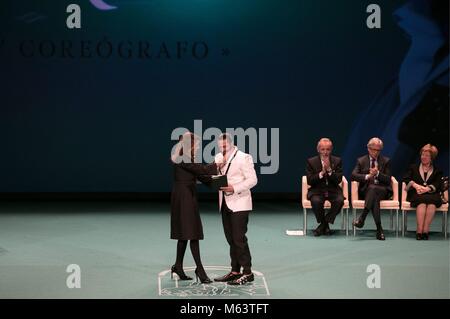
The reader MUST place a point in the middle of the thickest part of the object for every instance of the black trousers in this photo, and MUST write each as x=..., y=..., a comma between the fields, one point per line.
x=372, y=197
x=235, y=228
x=317, y=202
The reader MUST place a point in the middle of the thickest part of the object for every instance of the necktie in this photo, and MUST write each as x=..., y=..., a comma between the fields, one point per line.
x=224, y=203
x=372, y=165
x=326, y=183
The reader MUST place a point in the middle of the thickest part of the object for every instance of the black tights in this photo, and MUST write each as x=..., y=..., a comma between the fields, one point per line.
x=195, y=250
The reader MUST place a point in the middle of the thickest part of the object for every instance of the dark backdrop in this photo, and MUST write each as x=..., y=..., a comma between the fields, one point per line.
x=92, y=110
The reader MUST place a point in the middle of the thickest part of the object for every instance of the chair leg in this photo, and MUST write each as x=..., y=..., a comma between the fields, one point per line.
x=304, y=221
x=406, y=223
x=346, y=222
x=396, y=223
x=354, y=218
x=403, y=223
x=392, y=220
x=446, y=224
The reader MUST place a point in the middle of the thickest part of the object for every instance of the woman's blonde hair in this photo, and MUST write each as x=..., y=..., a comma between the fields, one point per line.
x=430, y=149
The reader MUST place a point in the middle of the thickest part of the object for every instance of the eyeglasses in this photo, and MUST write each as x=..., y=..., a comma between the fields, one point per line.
x=375, y=149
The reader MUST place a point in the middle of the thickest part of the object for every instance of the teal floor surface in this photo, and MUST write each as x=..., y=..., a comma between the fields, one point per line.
x=124, y=251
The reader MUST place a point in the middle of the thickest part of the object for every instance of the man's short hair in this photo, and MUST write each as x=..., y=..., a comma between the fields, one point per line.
x=375, y=141
x=226, y=136
x=324, y=140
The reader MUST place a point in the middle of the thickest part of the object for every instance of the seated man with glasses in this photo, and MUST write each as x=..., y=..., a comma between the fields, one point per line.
x=374, y=176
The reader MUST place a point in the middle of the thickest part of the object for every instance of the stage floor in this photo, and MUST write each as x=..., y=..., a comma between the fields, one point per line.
x=124, y=251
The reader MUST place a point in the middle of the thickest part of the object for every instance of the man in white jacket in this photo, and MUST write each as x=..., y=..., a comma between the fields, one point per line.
x=235, y=203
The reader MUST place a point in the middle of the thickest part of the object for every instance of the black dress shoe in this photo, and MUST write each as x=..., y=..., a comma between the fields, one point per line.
x=329, y=219
x=425, y=236
x=419, y=236
x=358, y=223
x=380, y=235
x=242, y=280
x=179, y=272
x=318, y=231
x=327, y=230
x=228, y=277
x=204, y=279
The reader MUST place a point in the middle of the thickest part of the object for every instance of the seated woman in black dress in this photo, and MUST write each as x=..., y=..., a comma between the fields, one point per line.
x=423, y=182
x=185, y=219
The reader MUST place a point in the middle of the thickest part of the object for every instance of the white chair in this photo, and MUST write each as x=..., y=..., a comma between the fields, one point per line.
x=307, y=203
x=406, y=207
x=391, y=204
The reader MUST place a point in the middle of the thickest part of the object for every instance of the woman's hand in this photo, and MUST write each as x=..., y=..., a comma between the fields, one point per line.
x=422, y=189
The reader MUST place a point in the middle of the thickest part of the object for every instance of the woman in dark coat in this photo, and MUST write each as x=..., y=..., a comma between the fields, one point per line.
x=185, y=219
x=423, y=184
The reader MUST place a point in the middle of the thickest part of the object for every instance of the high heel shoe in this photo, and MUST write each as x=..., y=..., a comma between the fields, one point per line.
x=425, y=236
x=179, y=272
x=358, y=223
x=204, y=279
x=419, y=236
x=380, y=235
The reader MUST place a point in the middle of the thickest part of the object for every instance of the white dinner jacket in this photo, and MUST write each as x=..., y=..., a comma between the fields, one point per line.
x=242, y=176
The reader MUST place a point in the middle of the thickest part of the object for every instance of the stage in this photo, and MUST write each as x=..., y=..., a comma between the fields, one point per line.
x=124, y=251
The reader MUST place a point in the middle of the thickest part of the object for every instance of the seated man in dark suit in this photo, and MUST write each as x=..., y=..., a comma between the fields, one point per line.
x=373, y=173
x=324, y=174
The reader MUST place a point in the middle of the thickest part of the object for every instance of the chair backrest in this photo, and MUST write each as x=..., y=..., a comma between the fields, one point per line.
x=344, y=186
x=355, y=195
x=394, y=185
x=305, y=188
x=404, y=192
